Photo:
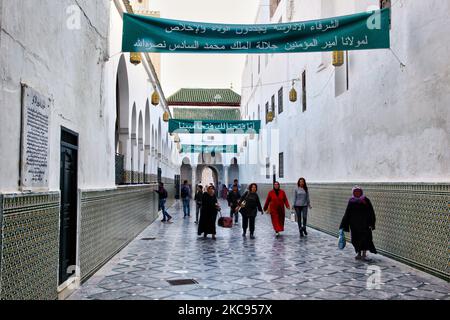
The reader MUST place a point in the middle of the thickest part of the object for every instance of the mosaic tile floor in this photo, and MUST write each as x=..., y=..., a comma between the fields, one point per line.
x=234, y=268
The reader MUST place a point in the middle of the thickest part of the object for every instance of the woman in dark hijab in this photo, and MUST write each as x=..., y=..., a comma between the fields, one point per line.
x=359, y=219
x=208, y=213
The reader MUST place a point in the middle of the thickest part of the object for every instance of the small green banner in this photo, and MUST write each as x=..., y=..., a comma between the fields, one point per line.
x=362, y=31
x=214, y=126
x=190, y=148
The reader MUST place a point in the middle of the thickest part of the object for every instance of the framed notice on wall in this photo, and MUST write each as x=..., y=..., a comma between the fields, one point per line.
x=35, y=147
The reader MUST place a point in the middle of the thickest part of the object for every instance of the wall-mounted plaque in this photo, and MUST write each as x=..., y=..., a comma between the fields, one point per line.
x=35, y=147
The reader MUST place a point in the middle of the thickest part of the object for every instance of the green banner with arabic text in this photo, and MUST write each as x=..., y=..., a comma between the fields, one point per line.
x=190, y=148
x=362, y=31
x=214, y=126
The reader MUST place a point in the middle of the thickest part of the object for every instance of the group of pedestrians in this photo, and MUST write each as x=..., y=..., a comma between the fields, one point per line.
x=359, y=217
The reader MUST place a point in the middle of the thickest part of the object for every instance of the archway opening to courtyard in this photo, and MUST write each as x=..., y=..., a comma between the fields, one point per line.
x=186, y=171
x=209, y=175
x=233, y=171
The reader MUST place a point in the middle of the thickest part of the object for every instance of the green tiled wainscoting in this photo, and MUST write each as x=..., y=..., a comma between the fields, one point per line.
x=29, y=246
x=169, y=185
x=413, y=220
x=110, y=219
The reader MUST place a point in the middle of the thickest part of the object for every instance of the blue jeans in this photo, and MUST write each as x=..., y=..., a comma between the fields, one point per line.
x=235, y=214
x=302, y=215
x=186, y=207
x=162, y=206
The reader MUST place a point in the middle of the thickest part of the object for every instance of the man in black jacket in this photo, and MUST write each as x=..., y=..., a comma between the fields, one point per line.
x=233, y=202
x=162, y=195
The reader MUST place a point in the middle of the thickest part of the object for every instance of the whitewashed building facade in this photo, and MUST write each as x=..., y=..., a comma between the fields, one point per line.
x=83, y=205
x=381, y=120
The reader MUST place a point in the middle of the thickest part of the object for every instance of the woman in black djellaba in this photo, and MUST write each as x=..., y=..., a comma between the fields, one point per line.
x=208, y=213
x=359, y=219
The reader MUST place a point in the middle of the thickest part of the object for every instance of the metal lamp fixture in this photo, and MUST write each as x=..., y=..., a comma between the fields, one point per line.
x=338, y=58
x=293, y=93
x=135, y=58
x=155, y=98
x=270, y=116
x=166, y=116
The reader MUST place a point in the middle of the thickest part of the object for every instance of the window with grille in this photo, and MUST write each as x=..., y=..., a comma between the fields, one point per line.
x=280, y=100
x=281, y=165
x=273, y=6
x=304, y=91
x=267, y=168
x=259, y=64
x=385, y=4
x=273, y=105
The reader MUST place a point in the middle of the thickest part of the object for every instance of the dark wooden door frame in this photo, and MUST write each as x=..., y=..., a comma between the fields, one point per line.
x=68, y=223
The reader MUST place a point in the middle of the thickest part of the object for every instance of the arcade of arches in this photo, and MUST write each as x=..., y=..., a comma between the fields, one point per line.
x=209, y=170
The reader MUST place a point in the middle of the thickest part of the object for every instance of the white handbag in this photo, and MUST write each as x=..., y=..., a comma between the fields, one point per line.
x=293, y=216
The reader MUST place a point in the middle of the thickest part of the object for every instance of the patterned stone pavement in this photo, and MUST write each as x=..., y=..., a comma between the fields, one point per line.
x=234, y=268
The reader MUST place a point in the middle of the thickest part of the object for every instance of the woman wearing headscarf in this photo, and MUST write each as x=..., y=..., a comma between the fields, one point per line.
x=249, y=205
x=359, y=219
x=276, y=201
x=208, y=213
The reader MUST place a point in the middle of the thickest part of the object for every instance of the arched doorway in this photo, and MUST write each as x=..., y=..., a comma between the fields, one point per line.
x=122, y=123
x=147, y=144
x=209, y=175
x=233, y=171
x=133, y=147
x=186, y=171
x=140, y=151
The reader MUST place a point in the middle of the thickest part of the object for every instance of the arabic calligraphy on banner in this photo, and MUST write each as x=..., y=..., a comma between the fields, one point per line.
x=190, y=148
x=362, y=31
x=214, y=126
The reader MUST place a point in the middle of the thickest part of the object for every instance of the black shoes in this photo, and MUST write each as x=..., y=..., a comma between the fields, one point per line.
x=252, y=236
x=303, y=232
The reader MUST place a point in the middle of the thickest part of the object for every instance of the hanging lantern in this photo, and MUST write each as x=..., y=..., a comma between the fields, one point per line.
x=135, y=58
x=293, y=94
x=155, y=98
x=270, y=116
x=166, y=116
x=338, y=58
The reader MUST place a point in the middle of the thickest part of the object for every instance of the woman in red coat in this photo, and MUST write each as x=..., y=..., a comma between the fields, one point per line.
x=276, y=201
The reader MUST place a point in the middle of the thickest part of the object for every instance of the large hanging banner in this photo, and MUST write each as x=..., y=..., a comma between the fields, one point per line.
x=362, y=31
x=190, y=148
x=214, y=126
